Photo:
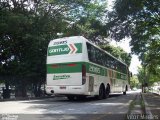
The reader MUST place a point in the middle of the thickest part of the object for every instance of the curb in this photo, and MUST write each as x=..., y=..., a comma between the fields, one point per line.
x=155, y=93
x=147, y=109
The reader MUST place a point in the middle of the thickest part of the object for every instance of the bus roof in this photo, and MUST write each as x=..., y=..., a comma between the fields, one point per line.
x=52, y=42
x=56, y=41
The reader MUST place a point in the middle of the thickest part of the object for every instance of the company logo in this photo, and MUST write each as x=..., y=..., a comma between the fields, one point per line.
x=65, y=49
x=94, y=69
x=57, y=77
x=58, y=50
x=73, y=48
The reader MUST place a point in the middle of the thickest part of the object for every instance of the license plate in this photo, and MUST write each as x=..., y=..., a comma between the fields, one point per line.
x=62, y=87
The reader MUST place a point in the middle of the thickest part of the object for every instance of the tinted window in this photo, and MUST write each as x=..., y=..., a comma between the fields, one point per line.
x=98, y=56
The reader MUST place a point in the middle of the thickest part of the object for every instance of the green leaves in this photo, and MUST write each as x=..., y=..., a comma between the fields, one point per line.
x=87, y=20
x=26, y=27
x=138, y=19
x=134, y=82
x=148, y=75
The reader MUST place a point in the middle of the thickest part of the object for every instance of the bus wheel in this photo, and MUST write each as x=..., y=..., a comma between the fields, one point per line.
x=101, y=93
x=71, y=97
x=107, y=91
x=124, y=93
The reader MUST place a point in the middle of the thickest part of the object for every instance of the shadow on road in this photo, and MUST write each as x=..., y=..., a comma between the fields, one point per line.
x=65, y=100
x=90, y=108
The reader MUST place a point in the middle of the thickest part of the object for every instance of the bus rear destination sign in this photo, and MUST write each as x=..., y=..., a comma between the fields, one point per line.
x=65, y=49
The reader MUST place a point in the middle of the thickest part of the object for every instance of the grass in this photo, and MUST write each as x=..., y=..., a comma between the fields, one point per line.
x=136, y=102
x=142, y=103
x=131, y=107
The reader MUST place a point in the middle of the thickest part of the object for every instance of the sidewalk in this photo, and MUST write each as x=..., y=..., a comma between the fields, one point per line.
x=152, y=106
x=145, y=106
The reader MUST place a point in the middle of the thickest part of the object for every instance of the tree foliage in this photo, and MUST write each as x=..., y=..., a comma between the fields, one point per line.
x=90, y=22
x=27, y=26
x=134, y=82
x=132, y=18
x=145, y=76
x=140, y=20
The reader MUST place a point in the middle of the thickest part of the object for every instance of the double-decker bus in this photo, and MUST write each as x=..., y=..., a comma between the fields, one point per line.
x=78, y=68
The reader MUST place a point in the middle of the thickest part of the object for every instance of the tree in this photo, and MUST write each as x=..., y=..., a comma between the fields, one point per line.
x=89, y=22
x=134, y=82
x=138, y=19
x=25, y=33
x=146, y=77
x=26, y=27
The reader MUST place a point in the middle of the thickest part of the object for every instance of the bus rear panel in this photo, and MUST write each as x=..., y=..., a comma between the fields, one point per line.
x=66, y=71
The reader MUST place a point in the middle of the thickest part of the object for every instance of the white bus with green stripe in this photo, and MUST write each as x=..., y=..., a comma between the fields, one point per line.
x=77, y=68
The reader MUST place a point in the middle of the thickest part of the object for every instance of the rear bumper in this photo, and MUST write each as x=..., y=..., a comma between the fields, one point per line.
x=67, y=90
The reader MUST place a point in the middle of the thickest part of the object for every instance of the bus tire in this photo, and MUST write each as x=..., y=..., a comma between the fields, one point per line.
x=101, y=93
x=71, y=97
x=107, y=91
x=126, y=88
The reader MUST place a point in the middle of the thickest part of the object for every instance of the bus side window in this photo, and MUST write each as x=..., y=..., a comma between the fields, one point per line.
x=93, y=54
x=89, y=51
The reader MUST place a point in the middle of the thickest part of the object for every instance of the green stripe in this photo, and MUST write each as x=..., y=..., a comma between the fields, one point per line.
x=121, y=76
x=79, y=47
x=77, y=67
x=94, y=69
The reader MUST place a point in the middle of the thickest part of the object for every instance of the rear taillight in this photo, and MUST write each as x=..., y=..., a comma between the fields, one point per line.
x=54, y=66
x=71, y=65
x=83, y=74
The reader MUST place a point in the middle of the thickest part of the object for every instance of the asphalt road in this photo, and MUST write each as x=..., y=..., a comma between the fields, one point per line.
x=60, y=108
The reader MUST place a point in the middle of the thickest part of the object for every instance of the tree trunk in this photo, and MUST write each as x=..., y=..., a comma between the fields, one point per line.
x=21, y=90
x=6, y=90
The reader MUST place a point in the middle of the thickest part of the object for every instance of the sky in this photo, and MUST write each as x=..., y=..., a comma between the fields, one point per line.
x=110, y=4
